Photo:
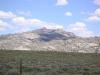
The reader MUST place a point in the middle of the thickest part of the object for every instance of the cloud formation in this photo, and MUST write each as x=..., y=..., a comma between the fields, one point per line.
x=97, y=2
x=36, y=22
x=80, y=29
x=3, y=25
x=23, y=24
x=62, y=2
x=6, y=15
x=97, y=12
x=23, y=21
x=95, y=16
x=68, y=14
x=52, y=26
x=20, y=24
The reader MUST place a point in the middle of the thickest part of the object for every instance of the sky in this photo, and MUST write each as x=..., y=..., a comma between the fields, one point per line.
x=81, y=17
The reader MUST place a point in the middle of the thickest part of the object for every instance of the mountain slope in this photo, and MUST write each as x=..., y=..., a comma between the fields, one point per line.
x=49, y=39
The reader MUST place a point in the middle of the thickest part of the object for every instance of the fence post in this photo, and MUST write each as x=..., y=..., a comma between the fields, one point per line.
x=20, y=66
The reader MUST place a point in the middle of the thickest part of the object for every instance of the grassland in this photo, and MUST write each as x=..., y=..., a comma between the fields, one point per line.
x=48, y=63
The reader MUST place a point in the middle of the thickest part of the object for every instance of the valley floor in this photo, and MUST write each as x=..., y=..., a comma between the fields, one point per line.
x=48, y=63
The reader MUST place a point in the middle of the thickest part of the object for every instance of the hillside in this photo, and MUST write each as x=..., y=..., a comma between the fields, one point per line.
x=48, y=63
x=49, y=40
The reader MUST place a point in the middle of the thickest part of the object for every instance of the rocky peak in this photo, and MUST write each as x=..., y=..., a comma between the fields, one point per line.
x=49, y=39
x=53, y=34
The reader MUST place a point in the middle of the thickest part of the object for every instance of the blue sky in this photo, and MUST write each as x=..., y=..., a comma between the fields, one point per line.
x=81, y=17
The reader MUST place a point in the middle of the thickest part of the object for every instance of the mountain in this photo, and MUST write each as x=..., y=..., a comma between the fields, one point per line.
x=49, y=40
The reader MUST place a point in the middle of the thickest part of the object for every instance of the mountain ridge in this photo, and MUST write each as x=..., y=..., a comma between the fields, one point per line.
x=49, y=40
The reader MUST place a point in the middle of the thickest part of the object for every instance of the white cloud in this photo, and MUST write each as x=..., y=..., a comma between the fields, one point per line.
x=62, y=2
x=52, y=26
x=4, y=14
x=27, y=24
x=20, y=23
x=97, y=12
x=95, y=16
x=35, y=22
x=97, y=2
x=3, y=25
x=68, y=14
x=24, y=21
x=80, y=29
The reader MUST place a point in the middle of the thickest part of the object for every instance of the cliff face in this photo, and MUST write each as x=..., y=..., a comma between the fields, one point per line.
x=49, y=39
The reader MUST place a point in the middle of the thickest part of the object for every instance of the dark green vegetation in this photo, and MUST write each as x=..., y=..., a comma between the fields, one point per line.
x=48, y=63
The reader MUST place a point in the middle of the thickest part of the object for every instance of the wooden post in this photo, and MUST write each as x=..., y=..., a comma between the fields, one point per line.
x=20, y=66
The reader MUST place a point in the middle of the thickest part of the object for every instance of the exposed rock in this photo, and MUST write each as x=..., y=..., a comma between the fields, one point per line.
x=50, y=39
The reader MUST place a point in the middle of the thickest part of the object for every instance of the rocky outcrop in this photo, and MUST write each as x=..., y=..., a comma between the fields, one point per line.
x=49, y=39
